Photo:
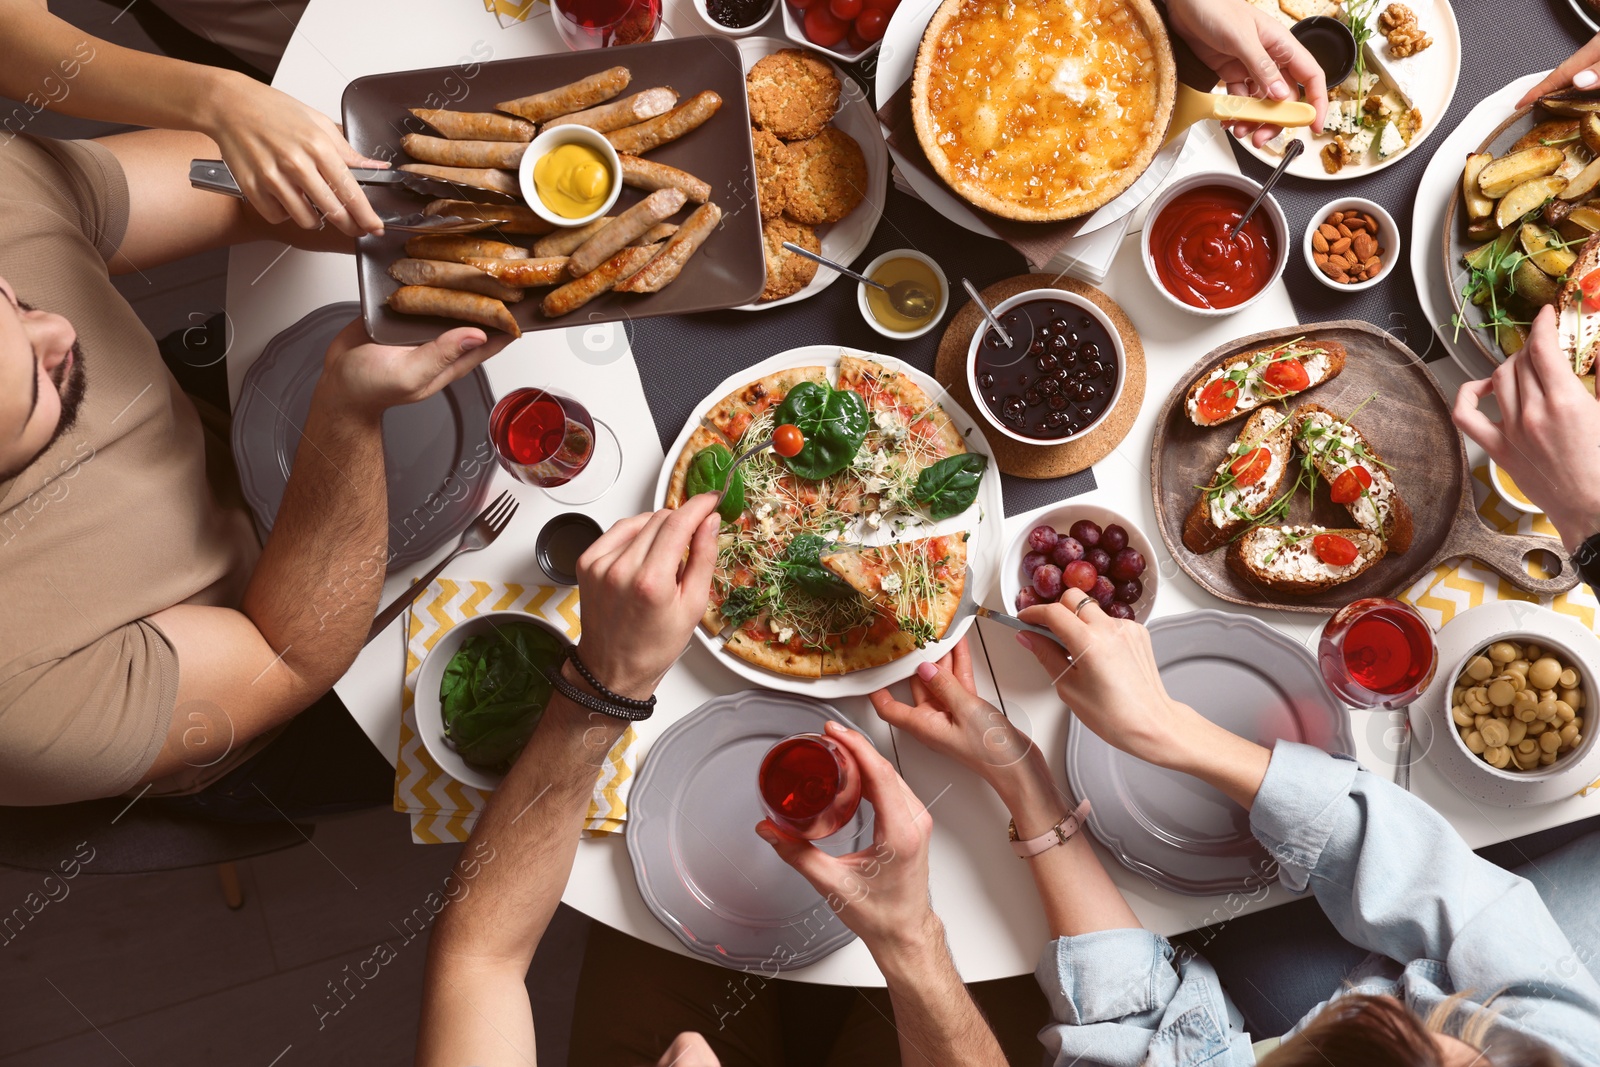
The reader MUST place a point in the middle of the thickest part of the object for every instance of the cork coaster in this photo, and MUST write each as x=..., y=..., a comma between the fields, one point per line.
x=1044, y=461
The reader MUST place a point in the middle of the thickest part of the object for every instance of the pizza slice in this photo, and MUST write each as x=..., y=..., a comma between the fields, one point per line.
x=756, y=642
x=873, y=644
x=918, y=583
x=733, y=414
x=900, y=409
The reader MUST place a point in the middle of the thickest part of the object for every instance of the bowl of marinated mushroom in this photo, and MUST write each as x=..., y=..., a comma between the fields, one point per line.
x=1519, y=708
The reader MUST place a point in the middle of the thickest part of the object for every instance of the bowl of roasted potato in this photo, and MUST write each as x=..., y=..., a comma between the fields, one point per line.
x=1522, y=228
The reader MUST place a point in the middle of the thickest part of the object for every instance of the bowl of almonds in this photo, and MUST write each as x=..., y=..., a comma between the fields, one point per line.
x=1352, y=244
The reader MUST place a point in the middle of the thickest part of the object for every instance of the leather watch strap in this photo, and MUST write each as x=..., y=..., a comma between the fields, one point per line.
x=1058, y=834
x=1587, y=557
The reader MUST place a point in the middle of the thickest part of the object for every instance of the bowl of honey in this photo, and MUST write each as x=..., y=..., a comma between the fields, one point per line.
x=902, y=264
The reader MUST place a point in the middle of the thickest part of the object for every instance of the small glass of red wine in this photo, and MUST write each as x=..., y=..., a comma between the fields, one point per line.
x=1378, y=653
x=601, y=23
x=810, y=787
x=551, y=441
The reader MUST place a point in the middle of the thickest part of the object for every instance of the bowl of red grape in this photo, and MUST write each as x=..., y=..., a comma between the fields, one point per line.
x=1081, y=546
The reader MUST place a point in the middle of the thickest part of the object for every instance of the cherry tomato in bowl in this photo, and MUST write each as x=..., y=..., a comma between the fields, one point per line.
x=822, y=27
x=871, y=23
x=844, y=10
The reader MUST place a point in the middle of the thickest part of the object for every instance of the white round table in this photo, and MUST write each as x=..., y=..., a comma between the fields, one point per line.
x=981, y=890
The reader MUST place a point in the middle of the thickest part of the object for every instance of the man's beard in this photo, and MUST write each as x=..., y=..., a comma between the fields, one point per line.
x=70, y=384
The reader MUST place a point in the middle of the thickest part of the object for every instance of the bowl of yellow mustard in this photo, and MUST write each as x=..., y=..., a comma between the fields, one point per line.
x=570, y=175
x=1510, y=491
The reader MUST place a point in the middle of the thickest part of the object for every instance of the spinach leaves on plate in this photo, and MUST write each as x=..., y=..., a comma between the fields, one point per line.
x=802, y=564
x=834, y=422
x=948, y=487
x=708, y=473
x=494, y=692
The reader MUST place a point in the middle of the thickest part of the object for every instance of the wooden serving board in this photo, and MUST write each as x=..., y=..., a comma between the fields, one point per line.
x=1408, y=423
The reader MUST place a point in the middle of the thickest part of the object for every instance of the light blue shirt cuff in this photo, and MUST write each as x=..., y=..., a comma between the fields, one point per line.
x=1300, y=800
x=1106, y=975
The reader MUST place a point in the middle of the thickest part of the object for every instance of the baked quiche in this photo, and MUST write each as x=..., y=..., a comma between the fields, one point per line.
x=1041, y=110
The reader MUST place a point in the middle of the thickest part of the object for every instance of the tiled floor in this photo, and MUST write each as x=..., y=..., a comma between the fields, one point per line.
x=148, y=969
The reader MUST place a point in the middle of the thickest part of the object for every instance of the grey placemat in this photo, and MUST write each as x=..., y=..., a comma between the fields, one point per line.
x=682, y=359
x=1496, y=50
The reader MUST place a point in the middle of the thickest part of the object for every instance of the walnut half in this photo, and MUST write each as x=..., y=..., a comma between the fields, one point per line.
x=1399, y=24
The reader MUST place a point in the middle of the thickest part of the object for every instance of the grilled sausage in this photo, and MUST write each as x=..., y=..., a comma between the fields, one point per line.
x=619, y=113
x=643, y=174
x=497, y=181
x=460, y=249
x=514, y=218
x=585, y=92
x=454, y=304
x=622, y=230
x=443, y=274
x=566, y=242
x=665, y=266
x=502, y=154
x=659, y=232
x=523, y=272
x=652, y=133
x=580, y=291
x=475, y=125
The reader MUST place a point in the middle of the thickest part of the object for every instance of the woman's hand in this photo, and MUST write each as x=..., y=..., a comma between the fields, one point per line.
x=950, y=718
x=642, y=597
x=880, y=892
x=1254, y=55
x=1548, y=436
x=1104, y=669
x=290, y=160
x=1581, y=71
x=371, y=378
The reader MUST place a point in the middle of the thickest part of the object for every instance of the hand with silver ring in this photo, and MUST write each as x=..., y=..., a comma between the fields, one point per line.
x=1104, y=669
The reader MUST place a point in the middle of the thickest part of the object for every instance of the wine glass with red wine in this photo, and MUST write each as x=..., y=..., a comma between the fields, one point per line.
x=810, y=786
x=1378, y=653
x=602, y=23
x=551, y=441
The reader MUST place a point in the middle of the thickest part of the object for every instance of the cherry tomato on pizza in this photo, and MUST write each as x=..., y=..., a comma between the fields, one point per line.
x=1334, y=550
x=787, y=440
x=1349, y=486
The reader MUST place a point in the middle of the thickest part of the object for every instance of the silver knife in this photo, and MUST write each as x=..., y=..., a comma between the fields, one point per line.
x=1012, y=621
x=214, y=176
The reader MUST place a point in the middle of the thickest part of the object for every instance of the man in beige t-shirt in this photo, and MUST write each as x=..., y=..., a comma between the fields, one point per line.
x=142, y=642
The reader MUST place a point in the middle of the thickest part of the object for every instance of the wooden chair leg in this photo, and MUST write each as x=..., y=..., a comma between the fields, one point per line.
x=232, y=888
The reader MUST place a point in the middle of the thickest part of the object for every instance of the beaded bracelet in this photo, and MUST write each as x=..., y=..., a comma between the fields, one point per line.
x=608, y=702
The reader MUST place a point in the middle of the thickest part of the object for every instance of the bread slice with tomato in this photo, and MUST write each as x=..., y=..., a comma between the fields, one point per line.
x=1247, y=381
x=1356, y=474
x=1303, y=560
x=1248, y=479
x=1578, y=309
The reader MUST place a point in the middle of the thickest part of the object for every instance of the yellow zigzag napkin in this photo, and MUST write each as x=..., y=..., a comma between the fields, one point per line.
x=1456, y=585
x=441, y=808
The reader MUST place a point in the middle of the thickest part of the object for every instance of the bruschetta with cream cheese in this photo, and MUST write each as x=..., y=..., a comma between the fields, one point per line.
x=1247, y=480
x=1245, y=382
x=1303, y=560
x=1357, y=476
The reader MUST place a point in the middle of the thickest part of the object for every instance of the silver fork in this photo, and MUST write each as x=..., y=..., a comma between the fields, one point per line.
x=481, y=534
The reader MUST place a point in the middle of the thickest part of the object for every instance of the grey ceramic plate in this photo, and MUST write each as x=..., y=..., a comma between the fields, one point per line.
x=691, y=833
x=728, y=270
x=1175, y=830
x=437, y=453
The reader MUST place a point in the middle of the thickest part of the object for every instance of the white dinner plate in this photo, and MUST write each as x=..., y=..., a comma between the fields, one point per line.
x=1435, y=732
x=1429, y=218
x=1429, y=80
x=701, y=869
x=984, y=520
x=901, y=41
x=846, y=239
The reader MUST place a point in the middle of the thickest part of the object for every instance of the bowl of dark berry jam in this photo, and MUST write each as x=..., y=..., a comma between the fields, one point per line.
x=736, y=18
x=1060, y=375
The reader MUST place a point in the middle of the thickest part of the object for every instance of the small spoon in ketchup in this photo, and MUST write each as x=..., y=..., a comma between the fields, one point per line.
x=786, y=440
x=1296, y=146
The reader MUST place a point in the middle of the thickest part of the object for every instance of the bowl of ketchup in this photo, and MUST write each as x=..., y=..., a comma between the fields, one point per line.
x=1191, y=259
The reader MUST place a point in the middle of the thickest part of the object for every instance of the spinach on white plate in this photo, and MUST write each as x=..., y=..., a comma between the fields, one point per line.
x=495, y=690
x=949, y=487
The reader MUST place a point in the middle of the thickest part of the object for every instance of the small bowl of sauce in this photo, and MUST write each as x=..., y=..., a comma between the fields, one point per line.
x=1510, y=491
x=736, y=18
x=559, y=544
x=1191, y=259
x=1059, y=378
x=902, y=264
x=570, y=175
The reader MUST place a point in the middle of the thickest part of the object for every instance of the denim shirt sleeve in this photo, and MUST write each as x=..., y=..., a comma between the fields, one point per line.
x=1394, y=877
x=1120, y=998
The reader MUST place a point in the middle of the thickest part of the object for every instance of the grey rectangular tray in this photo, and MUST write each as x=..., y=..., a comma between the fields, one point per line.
x=728, y=270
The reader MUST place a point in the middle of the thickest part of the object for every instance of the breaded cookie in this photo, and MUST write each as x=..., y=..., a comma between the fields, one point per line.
x=773, y=163
x=788, y=273
x=793, y=94
x=828, y=177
